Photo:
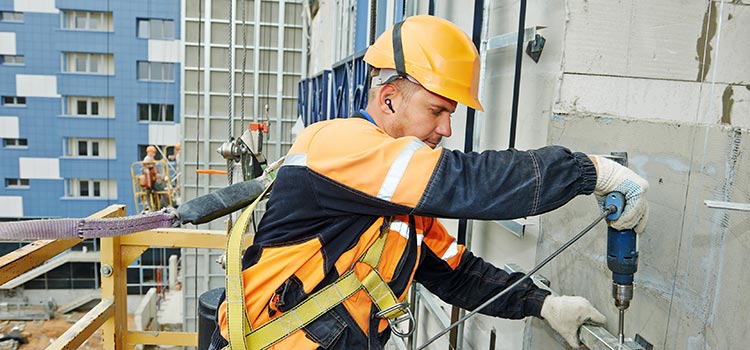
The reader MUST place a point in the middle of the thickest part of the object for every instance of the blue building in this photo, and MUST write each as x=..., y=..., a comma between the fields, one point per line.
x=85, y=86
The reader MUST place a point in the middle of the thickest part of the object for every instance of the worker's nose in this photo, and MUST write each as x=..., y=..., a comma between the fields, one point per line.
x=444, y=126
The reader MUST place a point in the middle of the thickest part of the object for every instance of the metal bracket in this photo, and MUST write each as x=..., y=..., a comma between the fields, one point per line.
x=727, y=205
x=534, y=47
x=593, y=337
x=509, y=39
x=516, y=226
x=619, y=157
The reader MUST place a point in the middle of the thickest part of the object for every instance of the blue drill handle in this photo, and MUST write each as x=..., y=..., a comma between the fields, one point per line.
x=622, y=256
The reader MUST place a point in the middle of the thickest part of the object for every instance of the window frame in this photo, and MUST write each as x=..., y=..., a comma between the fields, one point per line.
x=15, y=60
x=20, y=183
x=148, y=25
x=166, y=67
x=17, y=101
x=16, y=143
x=93, y=149
x=75, y=110
x=14, y=17
x=72, y=63
x=70, y=20
x=92, y=186
x=157, y=113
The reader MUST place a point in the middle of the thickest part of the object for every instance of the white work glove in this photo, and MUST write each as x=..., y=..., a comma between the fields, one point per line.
x=612, y=176
x=565, y=314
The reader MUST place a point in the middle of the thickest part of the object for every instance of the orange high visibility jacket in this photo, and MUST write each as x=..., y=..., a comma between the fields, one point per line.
x=342, y=177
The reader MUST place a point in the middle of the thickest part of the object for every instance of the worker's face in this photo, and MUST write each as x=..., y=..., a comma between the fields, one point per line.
x=424, y=115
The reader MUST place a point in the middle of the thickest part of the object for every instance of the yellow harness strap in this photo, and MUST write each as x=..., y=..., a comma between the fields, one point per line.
x=309, y=309
x=235, y=291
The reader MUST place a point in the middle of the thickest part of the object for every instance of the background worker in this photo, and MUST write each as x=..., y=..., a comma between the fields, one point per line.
x=150, y=176
x=347, y=184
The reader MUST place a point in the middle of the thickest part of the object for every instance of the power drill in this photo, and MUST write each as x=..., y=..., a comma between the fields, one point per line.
x=622, y=259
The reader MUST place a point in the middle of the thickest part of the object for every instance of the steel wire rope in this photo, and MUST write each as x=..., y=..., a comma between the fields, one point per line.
x=608, y=210
x=266, y=72
x=162, y=117
x=230, y=102
x=244, y=64
x=197, y=144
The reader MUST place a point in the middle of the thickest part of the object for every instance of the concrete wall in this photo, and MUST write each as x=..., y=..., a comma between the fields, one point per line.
x=662, y=82
x=665, y=81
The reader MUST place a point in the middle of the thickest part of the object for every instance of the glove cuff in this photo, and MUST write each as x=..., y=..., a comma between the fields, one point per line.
x=588, y=173
x=534, y=302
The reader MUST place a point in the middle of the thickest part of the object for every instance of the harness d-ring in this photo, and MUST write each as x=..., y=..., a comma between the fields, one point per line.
x=406, y=315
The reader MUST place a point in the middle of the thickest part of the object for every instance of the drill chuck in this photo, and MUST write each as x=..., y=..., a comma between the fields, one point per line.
x=623, y=294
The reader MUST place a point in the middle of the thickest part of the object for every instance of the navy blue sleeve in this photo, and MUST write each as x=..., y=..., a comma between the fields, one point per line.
x=497, y=185
x=475, y=281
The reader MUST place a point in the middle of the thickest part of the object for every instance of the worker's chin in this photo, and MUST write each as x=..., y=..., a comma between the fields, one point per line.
x=432, y=144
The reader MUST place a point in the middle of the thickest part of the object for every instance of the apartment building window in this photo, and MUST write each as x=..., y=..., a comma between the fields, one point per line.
x=86, y=188
x=88, y=106
x=17, y=183
x=14, y=101
x=91, y=188
x=155, y=71
x=9, y=16
x=12, y=60
x=93, y=63
x=88, y=20
x=16, y=143
x=149, y=28
x=85, y=106
x=87, y=148
x=150, y=112
x=96, y=148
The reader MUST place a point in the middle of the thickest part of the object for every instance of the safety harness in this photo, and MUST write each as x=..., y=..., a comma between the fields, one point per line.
x=241, y=334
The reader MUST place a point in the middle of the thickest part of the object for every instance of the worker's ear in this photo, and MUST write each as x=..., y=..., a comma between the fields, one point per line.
x=385, y=97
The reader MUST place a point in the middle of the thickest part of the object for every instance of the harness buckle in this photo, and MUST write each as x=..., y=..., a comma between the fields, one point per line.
x=399, y=313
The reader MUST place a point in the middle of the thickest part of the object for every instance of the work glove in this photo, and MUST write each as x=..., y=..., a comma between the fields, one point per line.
x=565, y=314
x=612, y=176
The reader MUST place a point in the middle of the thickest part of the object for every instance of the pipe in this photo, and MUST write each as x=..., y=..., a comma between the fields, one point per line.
x=463, y=224
x=517, y=79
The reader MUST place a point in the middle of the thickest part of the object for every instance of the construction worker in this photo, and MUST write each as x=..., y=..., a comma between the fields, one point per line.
x=348, y=184
x=150, y=177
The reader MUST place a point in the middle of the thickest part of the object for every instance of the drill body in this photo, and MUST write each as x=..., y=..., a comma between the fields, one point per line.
x=622, y=258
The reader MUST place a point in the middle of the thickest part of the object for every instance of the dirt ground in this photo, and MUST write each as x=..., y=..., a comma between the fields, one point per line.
x=41, y=334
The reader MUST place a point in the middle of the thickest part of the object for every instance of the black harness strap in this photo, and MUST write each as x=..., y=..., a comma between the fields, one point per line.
x=398, y=50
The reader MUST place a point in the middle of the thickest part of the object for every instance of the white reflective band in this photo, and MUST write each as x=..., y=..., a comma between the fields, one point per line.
x=397, y=170
x=451, y=252
x=296, y=159
x=403, y=229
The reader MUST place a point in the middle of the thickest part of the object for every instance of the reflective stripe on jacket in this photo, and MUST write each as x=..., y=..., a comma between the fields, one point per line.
x=342, y=177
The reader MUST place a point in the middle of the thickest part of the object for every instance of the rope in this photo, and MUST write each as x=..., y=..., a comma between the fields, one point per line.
x=87, y=228
x=244, y=65
x=230, y=101
x=197, y=147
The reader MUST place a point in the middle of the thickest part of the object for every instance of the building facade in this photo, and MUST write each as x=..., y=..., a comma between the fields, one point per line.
x=85, y=86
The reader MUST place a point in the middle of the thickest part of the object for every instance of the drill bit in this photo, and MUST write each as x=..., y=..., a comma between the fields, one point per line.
x=621, y=327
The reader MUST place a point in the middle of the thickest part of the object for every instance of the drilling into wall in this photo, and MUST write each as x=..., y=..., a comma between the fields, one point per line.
x=622, y=260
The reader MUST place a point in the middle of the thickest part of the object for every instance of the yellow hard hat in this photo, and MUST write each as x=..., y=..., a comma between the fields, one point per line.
x=150, y=149
x=435, y=52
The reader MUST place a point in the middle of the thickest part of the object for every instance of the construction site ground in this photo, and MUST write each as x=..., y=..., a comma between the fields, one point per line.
x=41, y=334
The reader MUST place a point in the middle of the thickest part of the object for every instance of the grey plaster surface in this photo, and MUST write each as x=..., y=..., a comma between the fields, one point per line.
x=692, y=277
